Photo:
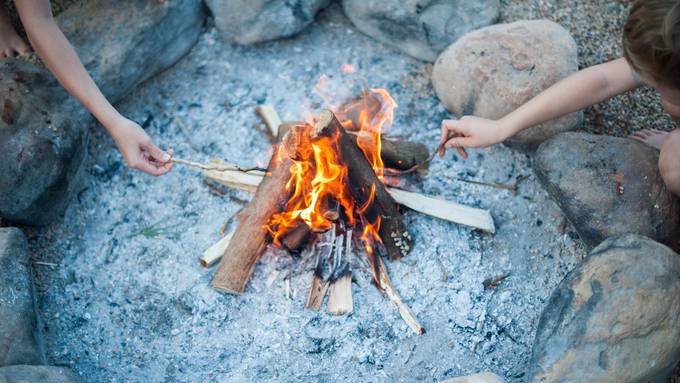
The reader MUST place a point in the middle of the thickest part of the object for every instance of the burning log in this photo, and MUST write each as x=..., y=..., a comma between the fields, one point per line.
x=297, y=237
x=241, y=255
x=369, y=192
x=398, y=154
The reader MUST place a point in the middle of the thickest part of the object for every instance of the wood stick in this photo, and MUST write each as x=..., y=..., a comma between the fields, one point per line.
x=297, y=237
x=241, y=255
x=221, y=166
x=215, y=252
x=340, y=297
x=270, y=117
x=367, y=189
x=317, y=293
x=398, y=154
x=449, y=211
x=392, y=294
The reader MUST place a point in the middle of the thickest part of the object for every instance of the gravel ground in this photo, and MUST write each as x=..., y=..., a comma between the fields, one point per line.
x=127, y=301
x=597, y=27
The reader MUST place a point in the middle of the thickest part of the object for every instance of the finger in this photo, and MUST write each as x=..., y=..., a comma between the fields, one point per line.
x=444, y=133
x=156, y=153
x=23, y=51
x=458, y=142
x=149, y=168
x=463, y=153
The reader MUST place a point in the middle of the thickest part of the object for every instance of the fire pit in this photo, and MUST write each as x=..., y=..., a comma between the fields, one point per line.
x=323, y=194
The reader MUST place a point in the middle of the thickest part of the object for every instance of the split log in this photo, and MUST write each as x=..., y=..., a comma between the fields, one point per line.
x=317, y=292
x=340, y=297
x=240, y=257
x=450, y=211
x=367, y=189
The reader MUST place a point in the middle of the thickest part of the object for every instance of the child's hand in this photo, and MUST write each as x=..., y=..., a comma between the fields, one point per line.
x=138, y=151
x=470, y=132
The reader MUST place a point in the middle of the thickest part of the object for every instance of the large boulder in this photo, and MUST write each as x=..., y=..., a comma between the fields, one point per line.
x=608, y=186
x=36, y=374
x=18, y=340
x=482, y=377
x=138, y=40
x=492, y=71
x=42, y=144
x=253, y=21
x=615, y=318
x=420, y=28
x=43, y=131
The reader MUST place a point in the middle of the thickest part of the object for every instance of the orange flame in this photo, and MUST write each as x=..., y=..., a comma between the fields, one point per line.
x=318, y=180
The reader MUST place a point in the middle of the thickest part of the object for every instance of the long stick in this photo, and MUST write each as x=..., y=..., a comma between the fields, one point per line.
x=391, y=293
x=222, y=166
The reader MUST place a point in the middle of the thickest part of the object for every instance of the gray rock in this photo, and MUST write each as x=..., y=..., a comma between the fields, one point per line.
x=608, y=186
x=36, y=374
x=42, y=144
x=482, y=377
x=253, y=21
x=138, y=40
x=43, y=130
x=615, y=318
x=492, y=71
x=18, y=343
x=420, y=28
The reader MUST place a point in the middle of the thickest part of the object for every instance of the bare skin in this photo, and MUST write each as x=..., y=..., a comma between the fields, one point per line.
x=582, y=89
x=135, y=145
x=11, y=44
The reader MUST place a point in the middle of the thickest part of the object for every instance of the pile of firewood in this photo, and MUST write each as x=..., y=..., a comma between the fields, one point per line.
x=334, y=251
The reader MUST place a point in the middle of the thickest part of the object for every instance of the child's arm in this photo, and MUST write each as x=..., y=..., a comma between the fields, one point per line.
x=582, y=89
x=61, y=59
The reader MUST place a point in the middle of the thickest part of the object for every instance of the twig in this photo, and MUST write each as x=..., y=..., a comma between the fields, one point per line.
x=394, y=172
x=391, y=293
x=221, y=167
x=45, y=263
x=495, y=281
x=497, y=185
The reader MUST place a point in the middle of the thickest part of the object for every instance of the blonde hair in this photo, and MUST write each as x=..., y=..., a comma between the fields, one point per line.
x=651, y=40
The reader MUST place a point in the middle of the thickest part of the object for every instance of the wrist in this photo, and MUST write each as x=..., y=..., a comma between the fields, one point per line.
x=509, y=127
x=112, y=122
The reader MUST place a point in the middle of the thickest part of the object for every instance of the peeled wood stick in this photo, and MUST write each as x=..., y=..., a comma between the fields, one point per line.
x=445, y=210
x=391, y=293
x=270, y=118
x=223, y=166
x=367, y=189
x=241, y=255
x=449, y=211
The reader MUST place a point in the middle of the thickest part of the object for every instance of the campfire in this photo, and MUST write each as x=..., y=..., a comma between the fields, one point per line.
x=324, y=197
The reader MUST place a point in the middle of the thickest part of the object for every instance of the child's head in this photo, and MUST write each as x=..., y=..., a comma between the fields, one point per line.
x=651, y=42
